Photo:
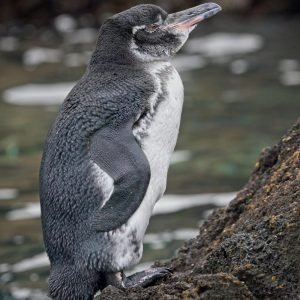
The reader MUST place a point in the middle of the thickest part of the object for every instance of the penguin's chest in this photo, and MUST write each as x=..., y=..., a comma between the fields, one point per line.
x=158, y=138
x=158, y=135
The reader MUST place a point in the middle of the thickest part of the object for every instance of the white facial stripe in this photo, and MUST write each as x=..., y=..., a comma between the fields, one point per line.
x=136, y=28
x=144, y=57
x=160, y=19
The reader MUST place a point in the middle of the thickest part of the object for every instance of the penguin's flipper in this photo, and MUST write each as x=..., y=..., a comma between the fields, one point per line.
x=115, y=150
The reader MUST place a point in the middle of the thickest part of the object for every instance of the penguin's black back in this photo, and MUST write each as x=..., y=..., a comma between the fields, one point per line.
x=105, y=97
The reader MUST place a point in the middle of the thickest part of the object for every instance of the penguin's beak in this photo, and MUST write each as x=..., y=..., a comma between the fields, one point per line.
x=188, y=18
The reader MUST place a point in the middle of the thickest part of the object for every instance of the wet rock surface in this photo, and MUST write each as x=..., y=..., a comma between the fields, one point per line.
x=251, y=249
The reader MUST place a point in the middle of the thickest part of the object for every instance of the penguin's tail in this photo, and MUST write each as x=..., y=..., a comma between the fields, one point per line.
x=69, y=282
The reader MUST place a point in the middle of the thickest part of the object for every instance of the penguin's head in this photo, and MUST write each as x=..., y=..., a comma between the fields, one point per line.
x=147, y=33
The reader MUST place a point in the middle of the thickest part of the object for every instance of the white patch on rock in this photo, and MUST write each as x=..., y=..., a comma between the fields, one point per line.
x=225, y=44
x=37, y=261
x=82, y=36
x=290, y=78
x=38, y=94
x=290, y=72
x=38, y=55
x=169, y=204
x=180, y=156
x=9, y=43
x=286, y=65
x=164, y=237
x=174, y=203
x=64, y=23
x=31, y=211
x=8, y=194
x=239, y=66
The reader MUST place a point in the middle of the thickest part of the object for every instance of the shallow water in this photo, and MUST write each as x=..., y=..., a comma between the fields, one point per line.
x=236, y=103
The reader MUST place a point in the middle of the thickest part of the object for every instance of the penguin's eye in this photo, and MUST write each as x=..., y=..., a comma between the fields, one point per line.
x=152, y=27
x=158, y=22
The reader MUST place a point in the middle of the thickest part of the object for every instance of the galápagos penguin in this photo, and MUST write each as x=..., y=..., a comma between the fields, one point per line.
x=107, y=154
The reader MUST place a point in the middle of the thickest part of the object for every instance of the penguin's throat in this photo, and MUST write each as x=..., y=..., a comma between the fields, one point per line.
x=159, y=72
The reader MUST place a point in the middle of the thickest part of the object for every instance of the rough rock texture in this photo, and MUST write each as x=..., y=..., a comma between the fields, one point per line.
x=251, y=249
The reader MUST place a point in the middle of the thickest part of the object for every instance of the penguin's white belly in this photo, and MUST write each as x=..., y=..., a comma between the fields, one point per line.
x=158, y=139
x=158, y=145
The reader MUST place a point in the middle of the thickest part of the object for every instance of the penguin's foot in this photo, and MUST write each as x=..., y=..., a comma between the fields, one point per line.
x=146, y=278
x=115, y=279
x=142, y=279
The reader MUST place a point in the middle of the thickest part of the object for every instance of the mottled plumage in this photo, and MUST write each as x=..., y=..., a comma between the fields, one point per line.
x=107, y=154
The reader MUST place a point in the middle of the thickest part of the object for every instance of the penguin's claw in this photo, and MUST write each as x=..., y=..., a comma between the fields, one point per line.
x=115, y=279
x=146, y=278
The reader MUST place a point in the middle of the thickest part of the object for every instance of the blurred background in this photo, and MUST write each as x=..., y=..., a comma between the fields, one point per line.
x=241, y=71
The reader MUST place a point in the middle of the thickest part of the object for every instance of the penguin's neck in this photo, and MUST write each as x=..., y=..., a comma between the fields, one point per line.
x=159, y=72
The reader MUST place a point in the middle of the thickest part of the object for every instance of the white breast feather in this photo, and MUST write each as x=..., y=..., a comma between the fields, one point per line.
x=158, y=145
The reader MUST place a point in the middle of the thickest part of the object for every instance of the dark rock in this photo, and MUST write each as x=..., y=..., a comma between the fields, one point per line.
x=250, y=250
